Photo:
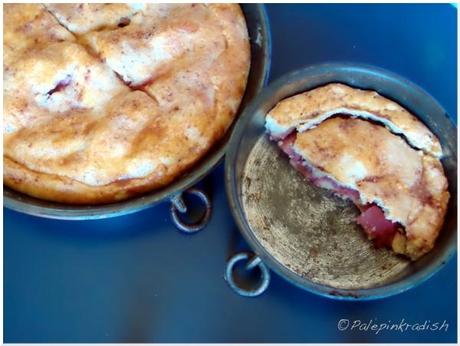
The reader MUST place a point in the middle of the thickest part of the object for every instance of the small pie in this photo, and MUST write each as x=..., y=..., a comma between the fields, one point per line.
x=103, y=102
x=387, y=164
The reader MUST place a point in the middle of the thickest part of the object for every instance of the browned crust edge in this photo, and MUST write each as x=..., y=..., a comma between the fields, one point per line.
x=61, y=189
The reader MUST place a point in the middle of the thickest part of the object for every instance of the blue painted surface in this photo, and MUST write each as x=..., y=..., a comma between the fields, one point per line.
x=136, y=279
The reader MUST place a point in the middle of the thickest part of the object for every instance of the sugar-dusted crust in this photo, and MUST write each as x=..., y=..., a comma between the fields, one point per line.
x=310, y=108
x=77, y=132
x=82, y=18
x=53, y=80
x=26, y=26
x=133, y=148
x=407, y=184
x=140, y=53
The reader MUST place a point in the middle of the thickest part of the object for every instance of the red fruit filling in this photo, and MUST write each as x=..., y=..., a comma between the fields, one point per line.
x=61, y=85
x=372, y=218
x=378, y=228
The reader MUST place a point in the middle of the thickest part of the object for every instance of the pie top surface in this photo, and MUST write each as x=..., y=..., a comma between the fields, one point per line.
x=104, y=102
x=305, y=110
x=373, y=151
x=407, y=184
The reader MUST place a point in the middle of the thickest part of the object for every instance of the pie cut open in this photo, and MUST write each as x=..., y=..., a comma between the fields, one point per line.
x=310, y=108
x=401, y=191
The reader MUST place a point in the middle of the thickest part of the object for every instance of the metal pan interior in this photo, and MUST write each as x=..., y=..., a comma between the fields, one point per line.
x=259, y=33
x=305, y=233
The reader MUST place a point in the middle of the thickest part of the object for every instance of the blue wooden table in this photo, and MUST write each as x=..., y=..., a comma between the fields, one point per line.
x=137, y=279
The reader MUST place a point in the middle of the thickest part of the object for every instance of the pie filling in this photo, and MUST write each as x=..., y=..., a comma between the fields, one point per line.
x=60, y=86
x=372, y=219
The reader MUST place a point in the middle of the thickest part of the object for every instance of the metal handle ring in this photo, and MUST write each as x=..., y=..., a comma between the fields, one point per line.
x=178, y=206
x=254, y=262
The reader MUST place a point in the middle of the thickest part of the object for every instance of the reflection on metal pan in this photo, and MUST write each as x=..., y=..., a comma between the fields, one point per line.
x=259, y=33
x=307, y=235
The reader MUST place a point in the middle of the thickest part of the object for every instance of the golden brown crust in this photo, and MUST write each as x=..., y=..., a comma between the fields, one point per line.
x=31, y=85
x=57, y=188
x=408, y=185
x=75, y=133
x=81, y=18
x=95, y=156
x=27, y=25
x=307, y=109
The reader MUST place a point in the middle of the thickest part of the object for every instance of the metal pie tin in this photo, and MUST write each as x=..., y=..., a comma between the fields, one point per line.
x=260, y=39
x=304, y=233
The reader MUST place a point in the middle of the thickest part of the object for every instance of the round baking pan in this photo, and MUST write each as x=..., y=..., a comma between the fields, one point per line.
x=259, y=34
x=304, y=233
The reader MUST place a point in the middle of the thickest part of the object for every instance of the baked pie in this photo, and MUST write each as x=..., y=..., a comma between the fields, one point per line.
x=370, y=150
x=103, y=102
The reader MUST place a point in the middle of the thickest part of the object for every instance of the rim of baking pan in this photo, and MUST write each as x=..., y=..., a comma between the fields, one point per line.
x=413, y=279
x=25, y=204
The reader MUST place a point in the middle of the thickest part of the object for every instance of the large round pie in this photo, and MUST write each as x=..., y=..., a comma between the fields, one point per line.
x=106, y=101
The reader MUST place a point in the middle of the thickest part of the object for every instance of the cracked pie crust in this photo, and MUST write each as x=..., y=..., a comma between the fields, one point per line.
x=370, y=150
x=103, y=102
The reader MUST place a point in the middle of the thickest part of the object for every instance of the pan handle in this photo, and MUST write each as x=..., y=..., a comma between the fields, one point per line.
x=178, y=206
x=253, y=262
